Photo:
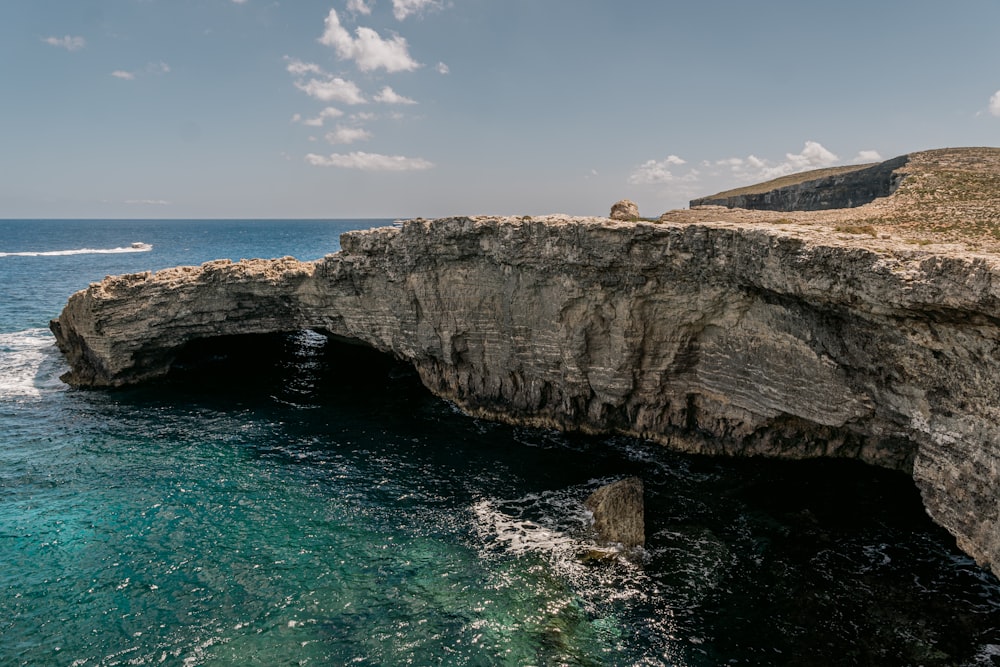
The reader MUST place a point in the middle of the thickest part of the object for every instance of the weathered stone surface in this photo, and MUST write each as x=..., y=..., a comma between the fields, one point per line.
x=713, y=338
x=625, y=210
x=619, y=515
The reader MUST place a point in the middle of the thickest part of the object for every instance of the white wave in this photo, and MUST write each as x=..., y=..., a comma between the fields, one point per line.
x=135, y=247
x=30, y=365
x=519, y=536
x=598, y=575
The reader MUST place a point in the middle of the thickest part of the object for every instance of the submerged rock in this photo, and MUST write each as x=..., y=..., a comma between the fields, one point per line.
x=619, y=512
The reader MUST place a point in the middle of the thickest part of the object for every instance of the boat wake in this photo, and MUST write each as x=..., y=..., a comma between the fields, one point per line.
x=135, y=247
x=30, y=365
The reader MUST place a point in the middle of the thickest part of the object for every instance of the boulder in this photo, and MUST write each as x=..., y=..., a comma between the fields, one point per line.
x=625, y=210
x=618, y=512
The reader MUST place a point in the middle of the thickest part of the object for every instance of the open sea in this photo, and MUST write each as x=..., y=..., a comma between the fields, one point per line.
x=297, y=502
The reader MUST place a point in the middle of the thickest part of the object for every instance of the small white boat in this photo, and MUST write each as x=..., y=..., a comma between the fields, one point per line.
x=139, y=245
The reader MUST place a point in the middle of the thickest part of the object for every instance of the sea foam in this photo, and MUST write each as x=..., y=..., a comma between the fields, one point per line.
x=30, y=365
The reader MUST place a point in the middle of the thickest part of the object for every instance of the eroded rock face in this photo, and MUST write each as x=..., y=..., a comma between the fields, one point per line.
x=619, y=512
x=625, y=210
x=710, y=338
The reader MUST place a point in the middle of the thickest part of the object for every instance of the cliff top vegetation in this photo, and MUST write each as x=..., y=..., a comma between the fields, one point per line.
x=947, y=196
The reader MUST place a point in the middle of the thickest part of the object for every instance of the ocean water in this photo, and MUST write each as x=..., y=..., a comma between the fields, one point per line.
x=298, y=502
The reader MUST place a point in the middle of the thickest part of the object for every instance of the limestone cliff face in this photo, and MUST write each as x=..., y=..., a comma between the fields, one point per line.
x=712, y=338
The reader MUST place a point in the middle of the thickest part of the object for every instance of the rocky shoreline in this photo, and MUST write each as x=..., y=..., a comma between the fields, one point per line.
x=720, y=338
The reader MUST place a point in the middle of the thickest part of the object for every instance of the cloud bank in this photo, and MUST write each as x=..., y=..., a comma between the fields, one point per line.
x=369, y=161
x=347, y=135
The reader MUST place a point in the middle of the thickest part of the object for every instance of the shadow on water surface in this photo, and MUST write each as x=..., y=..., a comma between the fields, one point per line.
x=748, y=562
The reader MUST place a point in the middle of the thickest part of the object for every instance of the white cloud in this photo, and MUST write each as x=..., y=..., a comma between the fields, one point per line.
x=347, y=135
x=299, y=68
x=442, y=68
x=360, y=6
x=813, y=156
x=148, y=202
x=390, y=96
x=658, y=171
x=866, y=156
x=995, y=104
x=68, y=42
x=368, y=50
x=369, y=161
x=325, y=88
x=239, y=2
x=753, y=168
x=332, y=89
x=403, y=8
x=329, y=112
x=151, y=68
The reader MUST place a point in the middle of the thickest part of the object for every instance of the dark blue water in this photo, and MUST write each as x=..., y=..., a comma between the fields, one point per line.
x=299, y=502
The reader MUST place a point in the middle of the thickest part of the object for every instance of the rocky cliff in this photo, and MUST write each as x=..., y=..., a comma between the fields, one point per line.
x=721, y=338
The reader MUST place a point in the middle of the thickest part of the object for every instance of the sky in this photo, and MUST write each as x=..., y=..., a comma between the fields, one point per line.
x=407, y=108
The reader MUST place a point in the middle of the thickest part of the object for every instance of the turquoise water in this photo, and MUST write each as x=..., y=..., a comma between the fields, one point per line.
x=294, y=501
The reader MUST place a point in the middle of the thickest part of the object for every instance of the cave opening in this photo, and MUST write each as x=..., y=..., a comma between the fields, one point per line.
x=305, y=365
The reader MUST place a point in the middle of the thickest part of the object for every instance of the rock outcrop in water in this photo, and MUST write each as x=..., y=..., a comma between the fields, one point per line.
x=619, y=512
x=720, y=338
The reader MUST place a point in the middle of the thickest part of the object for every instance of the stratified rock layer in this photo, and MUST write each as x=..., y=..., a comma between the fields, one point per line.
x=712, y=338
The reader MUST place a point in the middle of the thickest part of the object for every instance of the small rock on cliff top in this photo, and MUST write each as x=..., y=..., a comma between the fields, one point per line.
x=618, y=512
x=625, y=210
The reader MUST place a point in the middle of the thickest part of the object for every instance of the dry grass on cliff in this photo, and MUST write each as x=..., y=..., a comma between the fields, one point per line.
x=948, y=196
x=791, y=179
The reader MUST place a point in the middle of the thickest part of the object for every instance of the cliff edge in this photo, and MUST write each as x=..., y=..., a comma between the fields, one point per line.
x=791, y=339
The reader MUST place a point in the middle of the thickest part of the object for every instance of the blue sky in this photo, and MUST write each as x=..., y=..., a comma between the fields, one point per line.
x=392, y=108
